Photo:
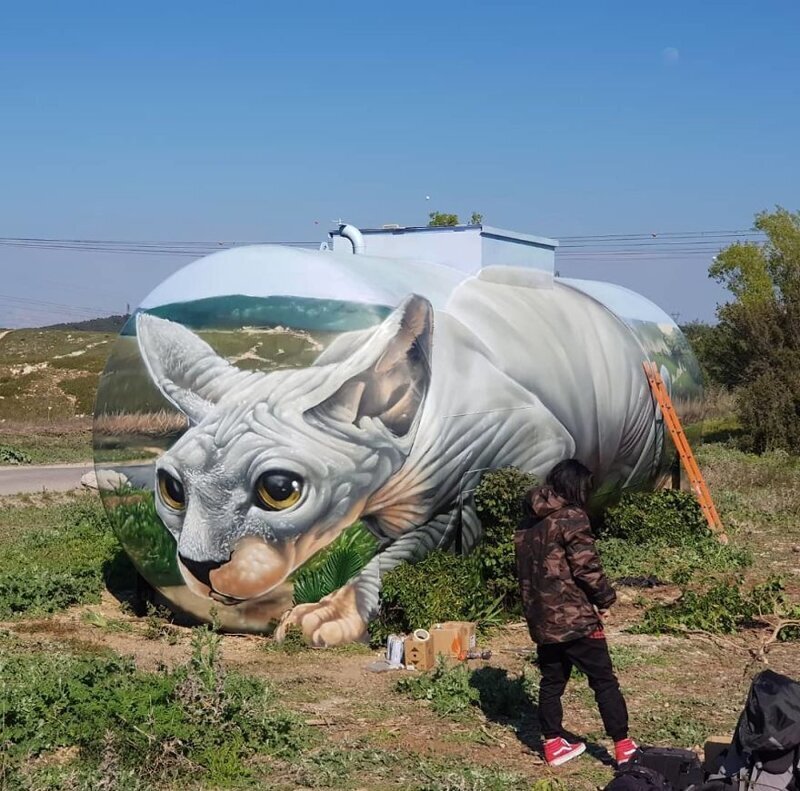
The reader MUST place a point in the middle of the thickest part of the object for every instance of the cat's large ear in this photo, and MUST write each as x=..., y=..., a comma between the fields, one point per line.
x=388, y=377
x=187, y=371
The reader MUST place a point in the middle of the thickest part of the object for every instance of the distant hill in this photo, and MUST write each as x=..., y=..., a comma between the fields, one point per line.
x=234, y=311
x=105, y=324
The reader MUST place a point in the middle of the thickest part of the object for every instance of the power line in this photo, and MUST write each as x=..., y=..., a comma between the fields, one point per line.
x=26, y=302
x=632, y=247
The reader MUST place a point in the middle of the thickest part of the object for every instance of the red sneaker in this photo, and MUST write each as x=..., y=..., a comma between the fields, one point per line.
x=559, y=751
x=624, y=750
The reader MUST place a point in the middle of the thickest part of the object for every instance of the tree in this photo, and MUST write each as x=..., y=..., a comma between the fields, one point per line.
x=476, y=218
x=439, y=219
x=755, y=347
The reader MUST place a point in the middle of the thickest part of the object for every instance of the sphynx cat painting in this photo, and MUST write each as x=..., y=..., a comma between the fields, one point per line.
x=391, y=426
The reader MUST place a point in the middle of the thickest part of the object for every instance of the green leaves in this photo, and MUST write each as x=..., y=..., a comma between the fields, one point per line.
x=442, y=587
x=340, y=566
x=663, y=534
x=440, y=219
x=11, y=455
x=165, y=724
x=722, y=609
x=671, y=516
x=498, y=501
x=448, y=689
x=755, y=347
x=335, y=566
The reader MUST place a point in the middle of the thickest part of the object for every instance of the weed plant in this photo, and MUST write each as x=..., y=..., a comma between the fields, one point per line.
x=195, y=722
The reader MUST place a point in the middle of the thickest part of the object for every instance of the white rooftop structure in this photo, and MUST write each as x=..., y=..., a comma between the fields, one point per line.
x=468, y=248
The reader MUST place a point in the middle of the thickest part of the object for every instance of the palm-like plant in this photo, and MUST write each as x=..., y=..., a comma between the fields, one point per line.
x=335, y=566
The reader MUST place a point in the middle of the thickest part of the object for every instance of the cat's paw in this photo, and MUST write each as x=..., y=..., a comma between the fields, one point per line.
x=331, y=621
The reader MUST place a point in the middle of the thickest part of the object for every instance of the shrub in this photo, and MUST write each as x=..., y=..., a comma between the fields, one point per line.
x=163, y=724
x=442, y=587
x=498, y=500
x=663, y=534
x=448, y=689
x=659, y=562
x=769, y=404
x=669, y=516
x=9, y=455
x=723, y=609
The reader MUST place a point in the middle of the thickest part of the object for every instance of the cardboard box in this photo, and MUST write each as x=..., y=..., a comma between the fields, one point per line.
x=419, y=653
x=447, y=641
x=467, y=631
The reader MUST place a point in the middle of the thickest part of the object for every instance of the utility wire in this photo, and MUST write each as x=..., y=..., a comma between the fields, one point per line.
x=590, y=248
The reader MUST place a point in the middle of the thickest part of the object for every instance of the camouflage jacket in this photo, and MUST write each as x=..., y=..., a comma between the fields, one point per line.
x=560, y=576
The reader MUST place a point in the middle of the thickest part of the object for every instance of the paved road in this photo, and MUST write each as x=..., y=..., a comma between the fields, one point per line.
x=63, y=477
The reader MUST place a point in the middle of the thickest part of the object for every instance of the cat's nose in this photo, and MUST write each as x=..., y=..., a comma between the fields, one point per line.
x=200, y=569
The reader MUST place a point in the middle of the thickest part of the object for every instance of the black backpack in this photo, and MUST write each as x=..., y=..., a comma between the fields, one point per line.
x=765, y=750
x=630, y=777
x=681, y=768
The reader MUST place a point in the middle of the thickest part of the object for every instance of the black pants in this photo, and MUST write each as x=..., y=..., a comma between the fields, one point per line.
x=590, y=655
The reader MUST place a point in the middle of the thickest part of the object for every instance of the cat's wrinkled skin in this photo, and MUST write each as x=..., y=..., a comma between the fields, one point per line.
x=392, y=425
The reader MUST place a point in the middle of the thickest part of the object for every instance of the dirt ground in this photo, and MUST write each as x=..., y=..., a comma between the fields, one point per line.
x=679, y=690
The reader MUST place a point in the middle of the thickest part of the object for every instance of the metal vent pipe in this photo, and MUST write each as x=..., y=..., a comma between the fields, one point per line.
x=355, y=236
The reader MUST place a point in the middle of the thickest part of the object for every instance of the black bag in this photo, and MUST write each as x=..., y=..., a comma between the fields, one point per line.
x=770, y=721
x=630, y=777
x=681, y=768
x=765, y=750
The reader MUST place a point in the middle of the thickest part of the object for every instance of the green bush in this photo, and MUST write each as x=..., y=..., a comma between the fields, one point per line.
x=59, y=565
x=164, y=724
x=769, y=404
x=9, y=455
x=722, y=609
x=665, y=535
x=498, y=501
x=669, y=516
x=448, y=689
x=442, y=587
x=482, y=587
x=657, y=560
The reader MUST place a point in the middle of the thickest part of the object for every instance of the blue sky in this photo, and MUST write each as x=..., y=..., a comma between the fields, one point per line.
x=257, y=120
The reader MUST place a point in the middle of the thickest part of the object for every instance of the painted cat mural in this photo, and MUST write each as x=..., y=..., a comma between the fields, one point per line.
x=394, y=426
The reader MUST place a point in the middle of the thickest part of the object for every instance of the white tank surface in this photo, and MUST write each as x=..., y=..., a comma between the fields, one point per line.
x=299, y=406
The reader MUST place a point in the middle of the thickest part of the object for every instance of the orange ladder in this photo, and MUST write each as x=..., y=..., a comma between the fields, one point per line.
x=687, y=458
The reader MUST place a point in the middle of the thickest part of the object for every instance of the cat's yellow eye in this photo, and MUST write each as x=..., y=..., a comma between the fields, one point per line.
x=277, y=490
x=170, y=489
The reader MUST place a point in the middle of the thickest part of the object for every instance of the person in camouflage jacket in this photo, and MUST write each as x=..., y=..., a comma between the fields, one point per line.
x=565, y=598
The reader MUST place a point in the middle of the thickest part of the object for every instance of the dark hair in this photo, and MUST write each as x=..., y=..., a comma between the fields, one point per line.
x=571, y=481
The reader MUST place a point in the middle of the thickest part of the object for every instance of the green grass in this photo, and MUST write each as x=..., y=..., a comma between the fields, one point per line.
x=456, y=691
x=670, y=563
x=51, y=447
x=163, y=727
x=83, y=390
x=360, y=764
x=29, y=347
x=151, y=547
x=55, y=556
